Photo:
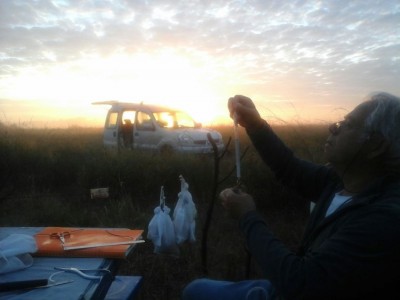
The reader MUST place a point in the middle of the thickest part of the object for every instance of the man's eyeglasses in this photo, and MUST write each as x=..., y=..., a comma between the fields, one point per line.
x=335, y=128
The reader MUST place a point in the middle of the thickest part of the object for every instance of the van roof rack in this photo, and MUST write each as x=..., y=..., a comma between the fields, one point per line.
x=132, y=105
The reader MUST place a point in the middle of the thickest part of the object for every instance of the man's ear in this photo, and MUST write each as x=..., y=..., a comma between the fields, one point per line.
x=377, y=145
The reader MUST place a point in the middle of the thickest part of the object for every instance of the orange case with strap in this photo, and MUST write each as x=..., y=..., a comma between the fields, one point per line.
x=52, y=240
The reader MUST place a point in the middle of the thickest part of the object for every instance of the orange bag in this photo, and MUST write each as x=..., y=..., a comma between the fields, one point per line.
x=86, y=242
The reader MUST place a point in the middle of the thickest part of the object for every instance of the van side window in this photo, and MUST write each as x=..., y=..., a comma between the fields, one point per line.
x=112, y=120
x=143, y=121
x=164, y=119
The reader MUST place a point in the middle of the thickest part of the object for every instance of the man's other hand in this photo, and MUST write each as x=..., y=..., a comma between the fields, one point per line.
x=236, y=202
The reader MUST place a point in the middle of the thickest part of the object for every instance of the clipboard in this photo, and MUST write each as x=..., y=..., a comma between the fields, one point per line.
x=86, y=242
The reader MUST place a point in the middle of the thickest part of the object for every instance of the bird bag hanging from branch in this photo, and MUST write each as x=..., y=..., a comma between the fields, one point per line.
x=161, y=229
x=184, y=215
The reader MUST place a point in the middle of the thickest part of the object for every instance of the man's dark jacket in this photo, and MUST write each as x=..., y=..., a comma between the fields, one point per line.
x=354, y=253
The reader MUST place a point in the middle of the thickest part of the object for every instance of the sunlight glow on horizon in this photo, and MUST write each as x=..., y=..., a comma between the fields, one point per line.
x=62, y=95
x=164, y=78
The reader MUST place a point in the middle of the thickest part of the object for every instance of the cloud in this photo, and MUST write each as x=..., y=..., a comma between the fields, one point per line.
x=322, y=50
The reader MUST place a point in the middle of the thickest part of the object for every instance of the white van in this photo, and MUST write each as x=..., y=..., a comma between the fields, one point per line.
x=156, y=128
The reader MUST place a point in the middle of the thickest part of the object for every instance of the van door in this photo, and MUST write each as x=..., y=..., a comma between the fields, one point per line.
x=147, y=135
x=110, y=136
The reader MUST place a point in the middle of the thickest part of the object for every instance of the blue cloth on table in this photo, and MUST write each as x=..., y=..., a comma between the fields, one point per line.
x=44, y=268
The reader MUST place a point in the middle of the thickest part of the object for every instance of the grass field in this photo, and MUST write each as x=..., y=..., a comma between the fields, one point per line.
x=46, y=175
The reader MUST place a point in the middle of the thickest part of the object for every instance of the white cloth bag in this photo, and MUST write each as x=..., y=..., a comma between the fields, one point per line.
x=161, y=229
x=184, y=215
x=15, y=252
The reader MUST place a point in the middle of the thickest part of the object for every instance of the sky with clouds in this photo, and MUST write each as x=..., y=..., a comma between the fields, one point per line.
x=303, y=61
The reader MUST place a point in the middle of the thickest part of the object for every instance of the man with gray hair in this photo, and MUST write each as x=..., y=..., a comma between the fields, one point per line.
x=351, y=245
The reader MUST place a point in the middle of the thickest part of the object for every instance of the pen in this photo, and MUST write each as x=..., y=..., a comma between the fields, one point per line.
x=22, y=284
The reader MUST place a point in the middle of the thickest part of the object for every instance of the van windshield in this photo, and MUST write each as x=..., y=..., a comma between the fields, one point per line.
x=174, y=119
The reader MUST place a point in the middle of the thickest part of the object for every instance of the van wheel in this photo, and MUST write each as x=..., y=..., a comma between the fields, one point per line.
x=166, y=150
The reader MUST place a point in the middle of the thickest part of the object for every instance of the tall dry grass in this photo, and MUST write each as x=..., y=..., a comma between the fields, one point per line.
x=46, y=175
